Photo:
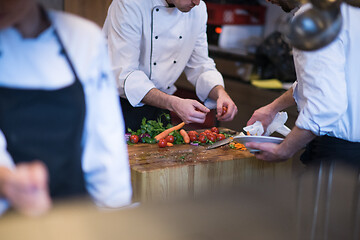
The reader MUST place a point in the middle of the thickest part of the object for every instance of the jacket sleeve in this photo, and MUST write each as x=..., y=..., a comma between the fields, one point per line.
x=201, y=70
x=5, y=161
x=123, y=28
x=321, y=92
x=105, y=159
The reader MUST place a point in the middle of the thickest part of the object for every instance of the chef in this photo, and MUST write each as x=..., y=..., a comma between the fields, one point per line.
x=327, y=96
x=61, y=127
x=151, y=42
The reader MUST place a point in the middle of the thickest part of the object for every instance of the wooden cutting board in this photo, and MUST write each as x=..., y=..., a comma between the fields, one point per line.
x=183, y=170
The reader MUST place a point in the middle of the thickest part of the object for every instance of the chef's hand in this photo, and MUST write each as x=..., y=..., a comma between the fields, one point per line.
x=190, y=111
x=264, y=114
x=223, y=101
x=271, y=152
x=26, y=188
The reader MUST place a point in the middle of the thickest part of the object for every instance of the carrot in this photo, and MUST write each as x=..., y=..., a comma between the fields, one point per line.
x=169, y=144
x=167, y=131
x=185, y=136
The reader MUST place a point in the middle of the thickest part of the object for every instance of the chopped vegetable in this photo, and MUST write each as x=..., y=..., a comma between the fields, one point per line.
x=169, y=144
x=238, y=146
x=169, y=130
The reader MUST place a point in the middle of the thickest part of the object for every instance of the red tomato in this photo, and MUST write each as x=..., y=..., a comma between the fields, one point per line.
x=212, y=137
x=207, y=131
x=220, y=137
x=202, y=138
x=170, y=138
x=224, y=111
x=215, y=129
x=192, y=132
x=193, y=137
x=203, y=133
x=134, y=138
x=162, y=143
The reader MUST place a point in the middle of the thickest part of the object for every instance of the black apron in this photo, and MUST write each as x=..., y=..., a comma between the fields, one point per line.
x=47, y=125
x=329, y=149
x=133, y=115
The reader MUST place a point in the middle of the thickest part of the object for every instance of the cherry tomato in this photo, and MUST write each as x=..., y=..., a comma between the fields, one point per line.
x=212, y=137
x=207, y=131
x=170, y=138
x=215, y=129
x=224, y=111
x=162, y=143
x=220, y=137
x=202, y=138
x=134, y=138
x=203, y=133
x=193, y=137
x=193, y=132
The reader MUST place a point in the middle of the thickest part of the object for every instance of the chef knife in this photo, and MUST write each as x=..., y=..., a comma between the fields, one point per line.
x=283, y=130
x=224, y=142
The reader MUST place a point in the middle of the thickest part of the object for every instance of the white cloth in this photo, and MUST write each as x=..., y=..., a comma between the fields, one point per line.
x=327, y=91
x=277, y=125
x=151, y=44
x=37, y=63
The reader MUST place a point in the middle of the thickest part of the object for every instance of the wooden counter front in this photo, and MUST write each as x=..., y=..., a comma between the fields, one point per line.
x=186, y=170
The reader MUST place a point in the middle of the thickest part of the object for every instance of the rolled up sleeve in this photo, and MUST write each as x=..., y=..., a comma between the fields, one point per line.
x=321, y=92
x=123, y=28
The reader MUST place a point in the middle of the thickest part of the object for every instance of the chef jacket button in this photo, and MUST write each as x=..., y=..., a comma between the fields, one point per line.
x=154, y=63
x=174, y=61
x=168, y=87
x=156, y=37
x=180, y=37
x=157, y=9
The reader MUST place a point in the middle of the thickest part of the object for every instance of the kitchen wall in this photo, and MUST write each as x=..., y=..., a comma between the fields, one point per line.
x=54, y=4
x=94, y=10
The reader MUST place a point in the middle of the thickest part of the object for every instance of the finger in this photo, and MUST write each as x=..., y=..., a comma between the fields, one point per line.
x=219, y=108
x=38, y=174
x=196, y=120
x=254, y=145
x=232, y=111
x=251, y=121
x=201, y=108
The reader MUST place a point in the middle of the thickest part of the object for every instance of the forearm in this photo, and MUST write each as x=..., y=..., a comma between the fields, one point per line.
x=160, y=99
x=296, y=140
x=217, y=92
x=284, y=101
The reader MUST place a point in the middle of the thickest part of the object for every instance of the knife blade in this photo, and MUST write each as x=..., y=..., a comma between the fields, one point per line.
x=224, y=142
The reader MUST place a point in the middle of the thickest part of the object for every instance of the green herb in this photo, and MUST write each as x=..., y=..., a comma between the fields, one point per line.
x=153, y=128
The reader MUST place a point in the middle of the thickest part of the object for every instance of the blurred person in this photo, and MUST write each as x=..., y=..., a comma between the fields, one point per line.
x=61, y=126
x=151, y=42
x=326, y=94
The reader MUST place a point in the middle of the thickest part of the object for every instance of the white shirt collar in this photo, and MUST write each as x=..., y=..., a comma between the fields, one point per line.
x=160, y=3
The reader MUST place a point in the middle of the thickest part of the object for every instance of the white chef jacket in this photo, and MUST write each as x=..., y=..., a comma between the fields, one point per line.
x=151, y=44
x=327, y=91
x=38, y=64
